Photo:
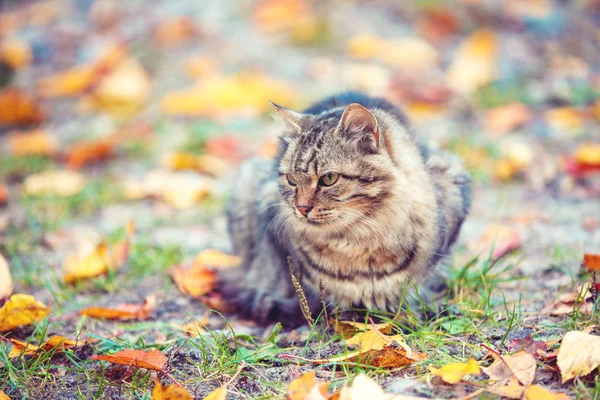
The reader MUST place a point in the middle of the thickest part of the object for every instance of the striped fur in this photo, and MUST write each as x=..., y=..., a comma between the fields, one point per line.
x=390, y=218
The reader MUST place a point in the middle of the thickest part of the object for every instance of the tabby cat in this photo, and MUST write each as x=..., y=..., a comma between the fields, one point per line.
x=354, y=199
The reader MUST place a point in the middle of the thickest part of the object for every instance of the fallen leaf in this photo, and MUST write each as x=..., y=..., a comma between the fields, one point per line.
x=19, y=108
x=205, y=163
x=528, y=344
x=362, y=387
x=61, y=183
x=58, y=343
x=579, y=354
x=588, y=154
x=152, y=359
x=6, y=284
x=506, y=118
x=474, y=63
x=218, y=259
x=502, y=238
x=350, y=328
x=171, y=392
x=227, y=94
x=194, y=328
x=364, y=45
x=219, y=394
x=579, y=300
x=88, y=152
x=408, y=54
x=15, y=52
x=196, y=280
x=535, y=392
x=509, y=391
x=200, y=67
x=35, y=142
x=123, y=312
x=3, y=194
x=3, y=396
x=591, y=261
x=174, y=30
x=97, y=262
x=513, y=369
x=300, y=387
x=274, y=16
x=565, y=119
x=453, y=373
x=21, y=309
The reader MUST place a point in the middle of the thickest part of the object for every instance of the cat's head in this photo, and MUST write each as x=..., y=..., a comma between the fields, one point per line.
x=334, y=169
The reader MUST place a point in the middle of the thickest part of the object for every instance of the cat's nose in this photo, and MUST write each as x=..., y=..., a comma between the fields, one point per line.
x=304, y=210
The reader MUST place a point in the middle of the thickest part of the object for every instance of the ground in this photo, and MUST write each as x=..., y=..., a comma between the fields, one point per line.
x=512, y=88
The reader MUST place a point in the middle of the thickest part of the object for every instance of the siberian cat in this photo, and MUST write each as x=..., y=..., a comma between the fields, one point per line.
x=357, y=202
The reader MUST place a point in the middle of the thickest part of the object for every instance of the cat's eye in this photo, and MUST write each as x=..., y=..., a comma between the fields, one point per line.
x=291, y=180
x=329, y=178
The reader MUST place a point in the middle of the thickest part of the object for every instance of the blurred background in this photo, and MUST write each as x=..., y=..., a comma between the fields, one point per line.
x=140, y=110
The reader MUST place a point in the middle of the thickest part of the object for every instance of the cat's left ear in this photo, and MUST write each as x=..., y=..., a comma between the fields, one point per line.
x=292, y=118
x=359, y=124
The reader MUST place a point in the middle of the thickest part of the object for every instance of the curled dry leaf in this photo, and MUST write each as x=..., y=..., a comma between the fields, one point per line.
x=302, y=386
x=591, y=261
x=513, y=369
x=196, y=280
x=6, y=283
x=171, y=392
x=18, y=108
x=60, y=183
x=152, y=359
x=579, y=354
x=453, y=373
x=58, y=343
x=21, y=309
x=35, y=142
x=123, y=312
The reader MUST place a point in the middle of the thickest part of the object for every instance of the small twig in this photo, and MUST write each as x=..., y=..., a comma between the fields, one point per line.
x=240, y=368
x=323, y=303
x=171, y=377
x=303, y=302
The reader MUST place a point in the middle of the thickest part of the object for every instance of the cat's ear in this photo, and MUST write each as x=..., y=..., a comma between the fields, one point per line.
x=360, y=125
x=292, y=118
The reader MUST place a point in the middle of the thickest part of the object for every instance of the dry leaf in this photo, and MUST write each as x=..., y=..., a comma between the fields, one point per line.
x=223, y=95
x=196, y=280
x=3, y=194
x=6, y=283
x=364, y=45
x=503, y=239
x=95, y=263
x=205, y=163
x=528, y=344
x=85, y=153
x=61, y=183
x=21, y=309
x=219, y=394
x=350, y=328
x=171, y=392
x=281, y=15
x=35, y=142
x=152, y=359
x=362, y=387
x=579, y=354
x=591, y=261
x=3, y=396
x=194, y=328
x=513, y=369
x=535, y=392
x=58, y=343
x=173, y=30
x=15, y=52
x=588, y=154
x=18, y=108
x=453, y=373
x=506, y=118
x=123, y=312
x=300, y=387
x=510, y=391
x=218, y=259
x=580, y=300
x=474, y=63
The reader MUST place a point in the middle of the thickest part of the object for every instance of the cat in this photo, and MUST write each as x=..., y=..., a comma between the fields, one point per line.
x=356, y=202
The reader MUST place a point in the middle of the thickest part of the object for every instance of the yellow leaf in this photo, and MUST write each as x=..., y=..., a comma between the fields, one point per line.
x=510, y=391
x=35, y=142
x=301, y=387
x=15, y=52
x=3, y=396
x=219, y=394
x=93, y=264
x=535, y=392
x=364, y=45
x=591, y=261
x=58, y=343
x=61, y=183
x=215, y=258
x=579, y=354
x=6, y=284
x=171, y=392
x=71, y=82
x=281, y=15
x=453, y=373
x=565, y=118
x=588, y=154
x=205, y=163
x=21, y=309
x=349, y=328
x=194, y=328
x=373, y=340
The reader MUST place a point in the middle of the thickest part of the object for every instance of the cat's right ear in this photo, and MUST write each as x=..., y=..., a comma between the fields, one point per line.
x=293, y=119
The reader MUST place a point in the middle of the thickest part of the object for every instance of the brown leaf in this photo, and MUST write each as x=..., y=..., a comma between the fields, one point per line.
x=125, y=311
x=18, y=108
x=153, y=359
x=6, y=283
x=171, y=392
x=579, y=354
x=58, y=343
x=527, y=344
x=591, y=261
x=301, y=387
x=35, y=142
x=194, y=328
x=89, y=152
x=21, y=309
x=513, y=369
x=196, y=280
x=580, y=299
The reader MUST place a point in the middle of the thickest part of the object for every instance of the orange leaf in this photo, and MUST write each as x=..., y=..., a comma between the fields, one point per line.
x=15, y=52
x=591, y=261
x=196, y=280
x=589, y=154
x=35, y=142
x=18, y=108
x=58, y=343
x=153, y=359
x=171, y=392
x=125, y=311
x=3, y=194
x=215, y=258
x=515, y=369
x=89, y=152
x=3, y=396
x=300, y=387
x=21, y=309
